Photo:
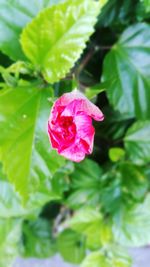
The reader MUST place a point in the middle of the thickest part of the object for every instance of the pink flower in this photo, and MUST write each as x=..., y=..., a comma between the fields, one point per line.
x=70, y=125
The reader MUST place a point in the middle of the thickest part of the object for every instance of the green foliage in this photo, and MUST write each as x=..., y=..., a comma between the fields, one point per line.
x=48, y=204
x=90, y=223
x=121, y=187
x=85, y=184
x=71, y=246
x=137, y=142
x=38, y=240
x=129, y=84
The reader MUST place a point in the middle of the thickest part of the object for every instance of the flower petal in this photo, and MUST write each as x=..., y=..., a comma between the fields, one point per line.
x=77, y=102
x=76, y=152
x=85, y=130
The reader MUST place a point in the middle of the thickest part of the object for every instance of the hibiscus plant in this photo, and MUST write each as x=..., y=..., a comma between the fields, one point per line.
x=73, y=71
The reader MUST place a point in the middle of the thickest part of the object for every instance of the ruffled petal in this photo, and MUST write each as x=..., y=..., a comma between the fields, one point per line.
x=85, y=130
x=77, y=102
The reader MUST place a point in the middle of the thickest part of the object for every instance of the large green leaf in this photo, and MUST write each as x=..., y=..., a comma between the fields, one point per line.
x=133, y=228
x=14, y=15
x=25, y=151
x=53, y=42
x=85, y=182
x=137, y=142
x=128, y=81
x=71, y=246
x=37, y=238
x=10, y=235
x=114, y=258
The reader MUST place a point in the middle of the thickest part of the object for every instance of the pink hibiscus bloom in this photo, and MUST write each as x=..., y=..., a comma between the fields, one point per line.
x=70, y=126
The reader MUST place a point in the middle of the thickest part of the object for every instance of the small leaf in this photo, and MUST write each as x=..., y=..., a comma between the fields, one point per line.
x=116, y=154
x=128, y=87
x=53, y=42
x=71, y=246
x=137, y=142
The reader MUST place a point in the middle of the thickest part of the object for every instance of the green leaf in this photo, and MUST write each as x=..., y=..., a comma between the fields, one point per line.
x=90, y=223
x=53, y=42
x=85, y=182
x=133, y=228
x=71, y=246
x=10, y=235
x=116, y=154
x=14, y=15
x=38, y=240
x=113, y=258
x=25, y=151
x=128, y=81
x=137, y=142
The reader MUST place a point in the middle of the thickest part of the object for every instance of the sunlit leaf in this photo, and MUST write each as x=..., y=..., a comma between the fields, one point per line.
x=53, y=42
